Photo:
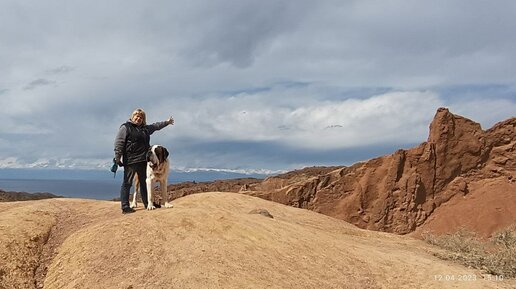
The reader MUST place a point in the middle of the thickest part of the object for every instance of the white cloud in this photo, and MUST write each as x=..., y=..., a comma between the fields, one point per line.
x=398, y=117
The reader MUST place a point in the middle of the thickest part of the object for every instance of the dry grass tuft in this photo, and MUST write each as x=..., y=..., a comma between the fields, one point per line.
x=496, y=256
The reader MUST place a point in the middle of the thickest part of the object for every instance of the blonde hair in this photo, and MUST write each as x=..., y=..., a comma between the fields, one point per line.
x=141, y=112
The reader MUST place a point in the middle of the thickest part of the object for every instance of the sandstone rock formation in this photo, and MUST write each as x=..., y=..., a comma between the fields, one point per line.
x=399, y=192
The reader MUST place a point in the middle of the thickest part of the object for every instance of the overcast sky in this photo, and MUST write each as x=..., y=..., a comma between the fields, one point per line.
x=253, y=85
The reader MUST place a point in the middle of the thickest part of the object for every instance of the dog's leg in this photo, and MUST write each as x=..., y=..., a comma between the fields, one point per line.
x=150, y=205
x=134, y=203
x=164, y=193
x=136, y=184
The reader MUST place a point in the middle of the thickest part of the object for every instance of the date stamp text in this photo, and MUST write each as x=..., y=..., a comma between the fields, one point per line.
x=467, y=277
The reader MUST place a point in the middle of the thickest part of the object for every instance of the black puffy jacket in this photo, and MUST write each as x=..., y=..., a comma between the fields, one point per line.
x=132, y=141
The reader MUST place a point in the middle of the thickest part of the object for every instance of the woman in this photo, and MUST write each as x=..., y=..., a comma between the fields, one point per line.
x=131, y=145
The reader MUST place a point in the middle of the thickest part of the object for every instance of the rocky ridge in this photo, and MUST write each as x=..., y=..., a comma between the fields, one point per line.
x=399, y=192
x=22, y=196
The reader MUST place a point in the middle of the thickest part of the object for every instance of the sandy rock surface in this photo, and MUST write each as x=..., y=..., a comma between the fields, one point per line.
x=210, y=240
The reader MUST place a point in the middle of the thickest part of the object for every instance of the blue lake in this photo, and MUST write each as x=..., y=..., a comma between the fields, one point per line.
x=100, y=184
x=86, y=189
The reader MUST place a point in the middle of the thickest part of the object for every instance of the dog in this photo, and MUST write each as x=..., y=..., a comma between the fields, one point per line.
x=158, y=167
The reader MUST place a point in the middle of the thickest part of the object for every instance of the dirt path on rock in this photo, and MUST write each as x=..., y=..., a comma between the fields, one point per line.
x=72, y=215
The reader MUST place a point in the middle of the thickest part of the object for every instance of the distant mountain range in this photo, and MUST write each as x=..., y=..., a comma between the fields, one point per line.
x=69, y=174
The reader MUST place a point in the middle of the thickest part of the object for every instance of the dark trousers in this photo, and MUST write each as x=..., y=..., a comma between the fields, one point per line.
x=129, y=172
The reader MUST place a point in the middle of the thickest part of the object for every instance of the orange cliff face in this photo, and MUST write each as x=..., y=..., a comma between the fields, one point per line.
x=400, y=192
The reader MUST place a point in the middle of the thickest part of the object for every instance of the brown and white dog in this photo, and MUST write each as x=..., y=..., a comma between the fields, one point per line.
x=157, y=171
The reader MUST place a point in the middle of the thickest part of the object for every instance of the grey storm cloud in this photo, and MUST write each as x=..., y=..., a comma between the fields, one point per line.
x=247, y=29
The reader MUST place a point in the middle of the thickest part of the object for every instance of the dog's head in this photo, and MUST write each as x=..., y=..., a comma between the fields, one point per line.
x=157, y=155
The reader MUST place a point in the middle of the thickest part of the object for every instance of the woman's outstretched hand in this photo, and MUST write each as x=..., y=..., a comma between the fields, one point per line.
x=170, y=121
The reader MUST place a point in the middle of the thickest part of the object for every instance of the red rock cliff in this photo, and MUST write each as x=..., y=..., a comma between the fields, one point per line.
x=398, y=192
